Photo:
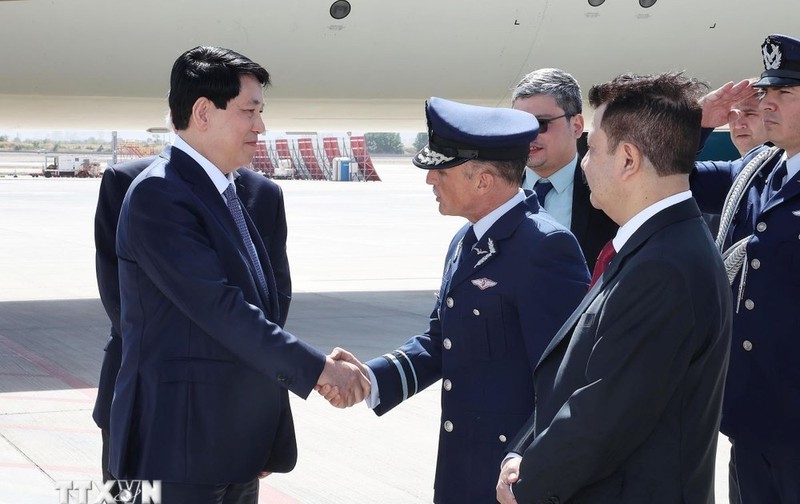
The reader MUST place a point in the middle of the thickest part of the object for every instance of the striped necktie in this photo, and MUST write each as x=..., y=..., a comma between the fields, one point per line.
x=235, y=208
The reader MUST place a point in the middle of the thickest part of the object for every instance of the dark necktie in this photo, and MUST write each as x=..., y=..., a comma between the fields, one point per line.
x=542, y=187
x=467, y=243
x=603, y=260
x=236, y=211
x=776, y=180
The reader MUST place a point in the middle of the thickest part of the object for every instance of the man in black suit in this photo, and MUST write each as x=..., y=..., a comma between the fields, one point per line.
x=553, y=171
x=629, y=391
x=201, y=398
x=263, y=200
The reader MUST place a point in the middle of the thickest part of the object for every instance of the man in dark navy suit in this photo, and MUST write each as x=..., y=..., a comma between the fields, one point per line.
x=512, y=274
x=263, y=200
x=761, y=240
x=554, y=163
x=201, y=399
x=629, y=392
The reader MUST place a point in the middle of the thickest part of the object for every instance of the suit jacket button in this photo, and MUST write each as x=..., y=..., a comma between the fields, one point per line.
x=448, y=426
x=447, y=384
x=476, y=312
x=449, y=301
x=749, y=304
x=747, y=345
x=755, y=263
x=502, y=438
x=761, y=227
x=447, y=344
x=283, y=379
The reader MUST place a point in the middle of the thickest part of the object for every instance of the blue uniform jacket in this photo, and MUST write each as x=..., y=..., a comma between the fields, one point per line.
x=494, y=317
x=762, y=394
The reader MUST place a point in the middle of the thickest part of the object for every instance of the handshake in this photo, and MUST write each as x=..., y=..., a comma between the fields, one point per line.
x=344, y=380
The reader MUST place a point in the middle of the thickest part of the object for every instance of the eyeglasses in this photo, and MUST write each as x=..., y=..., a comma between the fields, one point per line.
x=545, y=123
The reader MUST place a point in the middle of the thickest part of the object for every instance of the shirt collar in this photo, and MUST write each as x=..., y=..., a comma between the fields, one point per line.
x=792, y=166
x=562, y=178
x=482, y=226
x=625, y=232
x=219, y=179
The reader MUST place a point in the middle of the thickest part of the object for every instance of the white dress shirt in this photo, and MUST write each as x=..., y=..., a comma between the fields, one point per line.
x=625, y=232
x=219, y=179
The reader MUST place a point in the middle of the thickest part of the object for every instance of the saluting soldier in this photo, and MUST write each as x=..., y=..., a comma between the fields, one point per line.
x=512, y=275
x=760, y=238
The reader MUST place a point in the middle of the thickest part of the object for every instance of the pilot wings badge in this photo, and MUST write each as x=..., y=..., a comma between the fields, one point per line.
x=772, y=56
x=483, y=283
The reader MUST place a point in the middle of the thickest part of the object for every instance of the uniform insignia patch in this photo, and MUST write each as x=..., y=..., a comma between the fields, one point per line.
x=483, y=283
x=429, y=157
x=486, y=257
x=772, y=56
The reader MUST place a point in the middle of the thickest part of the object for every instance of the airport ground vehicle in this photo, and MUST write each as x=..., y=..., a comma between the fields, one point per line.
x=69, y=166
x=283, y=170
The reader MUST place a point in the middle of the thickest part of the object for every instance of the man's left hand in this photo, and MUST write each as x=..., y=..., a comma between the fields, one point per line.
x=508, y=475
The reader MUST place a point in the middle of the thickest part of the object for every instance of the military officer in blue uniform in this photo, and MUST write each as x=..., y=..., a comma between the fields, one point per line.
x=761, y=242
x=512, y=275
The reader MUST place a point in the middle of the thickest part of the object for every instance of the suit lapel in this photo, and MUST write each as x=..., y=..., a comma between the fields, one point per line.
x=573, y=319
x=790, y=189
x=580, y=205
x=681, y=211
x=205, y=190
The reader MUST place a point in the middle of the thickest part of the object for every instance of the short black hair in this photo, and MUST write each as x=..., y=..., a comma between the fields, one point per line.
x=660, y=114
x=208, y=72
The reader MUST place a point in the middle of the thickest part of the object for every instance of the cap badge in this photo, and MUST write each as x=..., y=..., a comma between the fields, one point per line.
x=431, y=157
x=483, y=283
x=772, y=56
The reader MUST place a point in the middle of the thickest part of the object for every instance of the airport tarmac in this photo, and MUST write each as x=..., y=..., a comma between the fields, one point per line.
x=366, y=259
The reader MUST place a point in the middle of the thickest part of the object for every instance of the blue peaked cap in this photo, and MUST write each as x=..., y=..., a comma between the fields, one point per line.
x=781, y=56
x=458, y=132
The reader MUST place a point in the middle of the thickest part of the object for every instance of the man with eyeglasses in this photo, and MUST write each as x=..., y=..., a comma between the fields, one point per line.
x=553, y=170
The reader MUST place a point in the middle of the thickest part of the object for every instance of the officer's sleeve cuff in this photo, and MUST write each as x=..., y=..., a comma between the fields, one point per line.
x=374, y=398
